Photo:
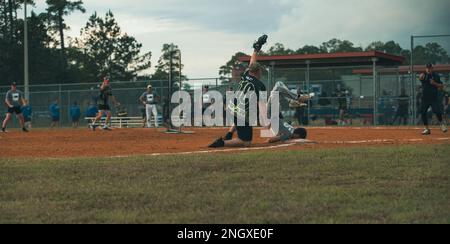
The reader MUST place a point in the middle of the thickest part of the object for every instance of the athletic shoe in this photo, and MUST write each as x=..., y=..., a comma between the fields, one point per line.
x=444, y=128
x=217, y=144
x=25, y=130
x=260, y=43
x=4, y=130
x=228, y=136
x=106, y=128
x=426, y=132
x=93, y=127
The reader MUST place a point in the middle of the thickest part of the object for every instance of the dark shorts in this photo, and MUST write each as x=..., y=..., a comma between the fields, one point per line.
x=435, y=105
x=245, y=133
x=55, y=119
x=104, y=107
x=75, y=120
x=14, y=110
x=27, y=119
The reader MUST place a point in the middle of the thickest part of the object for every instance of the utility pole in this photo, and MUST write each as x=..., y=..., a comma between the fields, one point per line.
x=169, y=93
x=26, y=74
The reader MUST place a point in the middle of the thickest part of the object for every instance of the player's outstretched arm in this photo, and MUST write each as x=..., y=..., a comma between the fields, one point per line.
x=8, y=104
x=422, y=77
x=142, y=100
x=274, y=139
x=436, y=82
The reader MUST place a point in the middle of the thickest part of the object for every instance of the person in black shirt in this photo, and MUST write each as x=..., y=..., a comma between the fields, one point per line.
x=250, y=82
x=103, y=104
x=431, y=84
x=402, y=109
x=446, y=105
x=341, y=96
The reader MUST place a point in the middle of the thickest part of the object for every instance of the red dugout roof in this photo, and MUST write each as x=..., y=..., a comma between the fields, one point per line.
x=404, y=69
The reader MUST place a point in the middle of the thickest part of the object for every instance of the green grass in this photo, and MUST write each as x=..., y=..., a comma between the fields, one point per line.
x=406, y=184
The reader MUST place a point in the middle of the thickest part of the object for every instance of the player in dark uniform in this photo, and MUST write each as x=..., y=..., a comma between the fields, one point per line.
x=250, y=82
x=286, y=131
x=402, y=109
x=342, y=105
x=14, y=100
x=103, y=105
x=446, y=106
x=431, y=84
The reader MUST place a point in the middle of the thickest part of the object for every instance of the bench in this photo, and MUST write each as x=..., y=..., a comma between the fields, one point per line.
x=126, y=122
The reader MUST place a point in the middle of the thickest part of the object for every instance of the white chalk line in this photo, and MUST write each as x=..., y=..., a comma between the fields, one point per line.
x=291, y=143
x=210, y=151
x=383, y=141
x=325, y=127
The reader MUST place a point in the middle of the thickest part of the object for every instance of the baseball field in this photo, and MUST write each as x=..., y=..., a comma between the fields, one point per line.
x=348, y=175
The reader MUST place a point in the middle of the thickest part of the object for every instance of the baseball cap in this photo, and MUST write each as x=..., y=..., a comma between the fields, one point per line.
x=13, y=84
x=149, y=86
x=430, y=65
x=301, y=132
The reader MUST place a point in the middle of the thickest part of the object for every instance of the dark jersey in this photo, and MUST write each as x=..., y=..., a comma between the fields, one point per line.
x=250, y=83
x=247, y=85
x=403, y=101
x=430, y=92
x=103, y=98
x=341, y=100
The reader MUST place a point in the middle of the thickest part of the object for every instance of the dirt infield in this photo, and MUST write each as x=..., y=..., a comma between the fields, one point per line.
x=66, y=143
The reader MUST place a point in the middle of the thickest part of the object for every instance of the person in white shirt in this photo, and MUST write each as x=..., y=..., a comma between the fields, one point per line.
x=150, y=100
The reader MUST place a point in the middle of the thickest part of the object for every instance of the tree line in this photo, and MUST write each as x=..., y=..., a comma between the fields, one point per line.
x=102, y=49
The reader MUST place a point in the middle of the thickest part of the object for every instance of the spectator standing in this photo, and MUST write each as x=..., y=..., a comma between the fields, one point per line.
x=75, y=114
x=55, y=114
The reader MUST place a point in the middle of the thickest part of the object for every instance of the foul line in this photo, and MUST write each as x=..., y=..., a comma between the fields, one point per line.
x=210, y=151
x=291, y=143
x=383, y=141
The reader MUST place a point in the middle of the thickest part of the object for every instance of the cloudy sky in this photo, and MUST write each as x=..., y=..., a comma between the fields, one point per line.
x=209, y=32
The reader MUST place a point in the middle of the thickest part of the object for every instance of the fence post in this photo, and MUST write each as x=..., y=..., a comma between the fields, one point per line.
x=375, y=87
x=413, y=90
x=308, y=83
x=60, y=102
x=68, y=107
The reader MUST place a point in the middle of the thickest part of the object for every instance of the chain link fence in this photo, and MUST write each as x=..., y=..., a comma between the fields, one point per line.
x=343, y=96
